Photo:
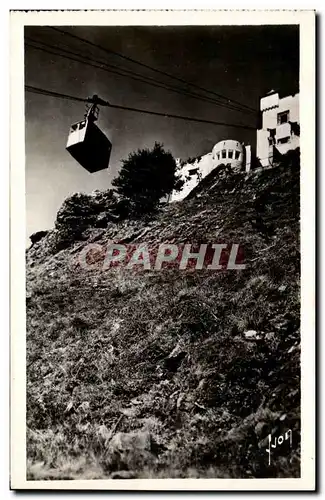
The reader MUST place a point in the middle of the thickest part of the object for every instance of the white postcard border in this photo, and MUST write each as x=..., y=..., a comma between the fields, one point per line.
x=306, y=20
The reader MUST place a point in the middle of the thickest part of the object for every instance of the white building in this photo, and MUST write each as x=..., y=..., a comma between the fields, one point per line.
x=279, y=133
x=280, y=126
x=229, y=152
x=232, y=153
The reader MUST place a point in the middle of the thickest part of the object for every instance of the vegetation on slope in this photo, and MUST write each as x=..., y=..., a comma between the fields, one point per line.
x=152, y=373
x=145, y=178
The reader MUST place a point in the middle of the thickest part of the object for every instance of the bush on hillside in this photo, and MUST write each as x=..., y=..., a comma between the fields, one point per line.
x=145, y=178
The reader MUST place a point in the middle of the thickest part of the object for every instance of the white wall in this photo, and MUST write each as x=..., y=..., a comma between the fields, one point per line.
x=271, y=106
x=207, y=163
x=204, y=166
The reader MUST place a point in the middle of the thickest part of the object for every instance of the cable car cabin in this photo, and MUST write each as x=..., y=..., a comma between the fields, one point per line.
x=89, y=145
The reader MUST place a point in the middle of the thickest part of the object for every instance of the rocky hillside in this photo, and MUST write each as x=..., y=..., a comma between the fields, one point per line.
x=172, y=373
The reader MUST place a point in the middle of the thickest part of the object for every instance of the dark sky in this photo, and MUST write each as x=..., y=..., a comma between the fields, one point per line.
x=242, y=63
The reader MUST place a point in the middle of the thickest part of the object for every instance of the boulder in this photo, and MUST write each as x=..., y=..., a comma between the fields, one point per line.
x=130, y=450
x=252, y=335
x=129, y=441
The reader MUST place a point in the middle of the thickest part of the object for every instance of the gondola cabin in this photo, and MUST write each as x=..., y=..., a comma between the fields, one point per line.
x=88, y=144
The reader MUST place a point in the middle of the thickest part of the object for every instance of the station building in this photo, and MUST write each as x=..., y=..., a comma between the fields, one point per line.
x=279, y=133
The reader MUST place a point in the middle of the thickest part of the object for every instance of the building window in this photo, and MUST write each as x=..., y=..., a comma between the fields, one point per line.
x=230, y=153
x=271, y=137
x=237, y=154
x=283, y=140
x=224, y=153
x=283, y=117
x=272, y=132
x=295, y=128
x=218, y=156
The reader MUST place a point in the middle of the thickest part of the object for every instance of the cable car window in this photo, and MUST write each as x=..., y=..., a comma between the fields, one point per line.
x=237, y=154
x=230, y=153
x=224, y=153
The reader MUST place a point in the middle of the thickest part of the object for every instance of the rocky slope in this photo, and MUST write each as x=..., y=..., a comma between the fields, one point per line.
x=172, y=373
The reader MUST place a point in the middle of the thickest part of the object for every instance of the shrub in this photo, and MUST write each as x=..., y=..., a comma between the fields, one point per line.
x=146, y=176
